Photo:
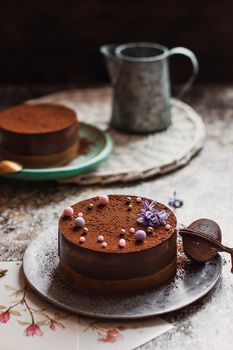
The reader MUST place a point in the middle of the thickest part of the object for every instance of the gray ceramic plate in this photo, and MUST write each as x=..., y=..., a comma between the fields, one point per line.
x=43, y=274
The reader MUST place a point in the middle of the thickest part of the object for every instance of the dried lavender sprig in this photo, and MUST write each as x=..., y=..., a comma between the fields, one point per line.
x=175, y=202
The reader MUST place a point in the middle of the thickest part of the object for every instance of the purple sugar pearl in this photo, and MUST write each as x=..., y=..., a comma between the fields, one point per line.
x=140, y=235
x=79, y=221
x=68, y=212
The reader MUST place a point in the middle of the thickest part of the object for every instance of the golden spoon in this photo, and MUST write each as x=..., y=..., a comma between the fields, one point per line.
x=8, y=166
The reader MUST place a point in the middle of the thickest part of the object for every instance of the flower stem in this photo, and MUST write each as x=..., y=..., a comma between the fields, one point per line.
x=29, y=310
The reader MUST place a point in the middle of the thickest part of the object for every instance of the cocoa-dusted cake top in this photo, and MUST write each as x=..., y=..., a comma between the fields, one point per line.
x=117, y=223
x=37, y=118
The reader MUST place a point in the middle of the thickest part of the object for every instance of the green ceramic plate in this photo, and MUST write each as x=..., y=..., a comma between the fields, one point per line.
x=100, y=147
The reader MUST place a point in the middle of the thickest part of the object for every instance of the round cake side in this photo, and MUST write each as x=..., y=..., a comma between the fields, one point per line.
x=114, y=247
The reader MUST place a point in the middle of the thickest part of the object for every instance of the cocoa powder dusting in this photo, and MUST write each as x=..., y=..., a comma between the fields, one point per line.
x=182, y=261
x=108, y=221
x=37, y=118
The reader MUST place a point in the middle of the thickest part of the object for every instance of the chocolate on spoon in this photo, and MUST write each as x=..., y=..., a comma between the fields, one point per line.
x=202, y=241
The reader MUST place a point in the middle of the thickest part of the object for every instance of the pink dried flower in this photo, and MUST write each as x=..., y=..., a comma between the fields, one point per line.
x=4, y=316
x=33, y=329
x=111, y=336
x=53, y=324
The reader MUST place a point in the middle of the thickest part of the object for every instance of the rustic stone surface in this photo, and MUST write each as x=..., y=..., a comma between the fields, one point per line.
x=205, y=185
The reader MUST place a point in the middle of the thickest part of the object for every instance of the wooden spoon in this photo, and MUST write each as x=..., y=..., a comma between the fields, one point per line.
x=199, y=241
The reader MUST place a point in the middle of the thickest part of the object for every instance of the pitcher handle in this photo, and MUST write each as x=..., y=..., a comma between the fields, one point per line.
x=189, y=54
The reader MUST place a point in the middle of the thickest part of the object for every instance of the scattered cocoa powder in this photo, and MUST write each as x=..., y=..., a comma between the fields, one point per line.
x=84, y=146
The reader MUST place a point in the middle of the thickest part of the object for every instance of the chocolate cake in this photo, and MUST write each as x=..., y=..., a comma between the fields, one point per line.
x=39, y=134
x=117, y=244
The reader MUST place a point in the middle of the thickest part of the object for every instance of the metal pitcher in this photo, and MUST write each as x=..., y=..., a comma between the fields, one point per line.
x=141, y=84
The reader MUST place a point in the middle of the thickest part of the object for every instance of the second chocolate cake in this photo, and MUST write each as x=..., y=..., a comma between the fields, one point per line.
x=117, y=244
x=39, y=135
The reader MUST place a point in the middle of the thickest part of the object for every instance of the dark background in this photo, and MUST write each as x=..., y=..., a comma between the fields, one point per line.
x=50, y=41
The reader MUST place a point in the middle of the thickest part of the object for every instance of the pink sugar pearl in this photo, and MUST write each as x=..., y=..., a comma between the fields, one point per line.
x=122, y=243
x=168, y=227
x=80, y=215
x=132, y=230
x=104, y=244
x=139, y=199
x=103, y=199
x=100, y=238
x=68, y=211
x=82, y=239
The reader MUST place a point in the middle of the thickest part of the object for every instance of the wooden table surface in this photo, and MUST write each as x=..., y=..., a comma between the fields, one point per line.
x=205, y=185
